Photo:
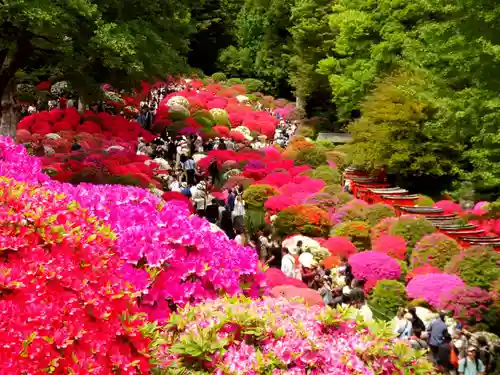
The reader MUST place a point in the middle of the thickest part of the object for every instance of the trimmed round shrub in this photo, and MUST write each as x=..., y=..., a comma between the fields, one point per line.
x=253, y=85
x=256, y=195
x=326, y=173
x=373, y=266
x=220, y=116
x=435, y=249
x=412, y=229
x=303, y=219
x=433, y=288
x=377, y=212
x=343, y=197
x=337, y=157
x=354, y=210
x=478, y=266
x=323, y=200
x=358, y=233
x=333, y=189
x=382, y=228
x=468, y=304
x=235, y=81
x=340, y=246
x=424, y=201
x=312, y=156
x=307, y=131
x=219, y=77
x=394, y=246
x=386, y=298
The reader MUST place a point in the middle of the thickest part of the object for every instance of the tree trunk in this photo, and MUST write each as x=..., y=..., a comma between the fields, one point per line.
x=10, y=113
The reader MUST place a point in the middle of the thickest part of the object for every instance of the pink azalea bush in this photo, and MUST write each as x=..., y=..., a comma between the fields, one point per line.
x=240, y=336
x=187, y=262
x=373, y=265
x=339, y=246
x=435, y=288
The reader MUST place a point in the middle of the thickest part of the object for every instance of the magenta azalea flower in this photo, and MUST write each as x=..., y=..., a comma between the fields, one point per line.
x=372, y=265
x=435, y=288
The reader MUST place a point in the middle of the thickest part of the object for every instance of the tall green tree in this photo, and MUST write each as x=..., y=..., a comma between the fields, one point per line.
x=311, y=39
x=262, y=44
x=89, y=42
x=456, y=44
x=397, y=131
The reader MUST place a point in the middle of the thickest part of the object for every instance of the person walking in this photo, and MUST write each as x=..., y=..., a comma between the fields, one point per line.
x=471, y=365
x=437, y=329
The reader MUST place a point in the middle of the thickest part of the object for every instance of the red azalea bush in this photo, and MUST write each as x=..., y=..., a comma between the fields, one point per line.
x=393, y=246
x=468, y=304
x=338, y=246
x=275, y=277
x=373, y=266
x=303, y=219
x=63, y=305
x=422, y=270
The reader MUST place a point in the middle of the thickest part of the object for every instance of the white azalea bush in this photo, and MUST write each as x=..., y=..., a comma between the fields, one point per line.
x=178, y=100
x=220, y=116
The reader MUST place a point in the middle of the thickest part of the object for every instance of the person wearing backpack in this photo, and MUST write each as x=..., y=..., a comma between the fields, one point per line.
x=471, y=365
x=485, y=355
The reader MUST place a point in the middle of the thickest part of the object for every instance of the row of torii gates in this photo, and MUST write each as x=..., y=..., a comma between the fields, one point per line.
x=377, y=190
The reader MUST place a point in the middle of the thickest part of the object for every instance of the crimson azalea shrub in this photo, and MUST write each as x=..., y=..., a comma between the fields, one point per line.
x=434, y=288
x=422, y=270
x=377, y=212
x=449, y=207
x=303, y=219
x=313, y=156
x=394, y=246
x=373, y=266
x=411, y=229
x=239, y=336
x=386, y=298
x=468, y=305
x=435, y=249
x=326, y=173
x=339, y=246
x=256, y=195
x=358, y=233
x=63, y=304
x=478, y=266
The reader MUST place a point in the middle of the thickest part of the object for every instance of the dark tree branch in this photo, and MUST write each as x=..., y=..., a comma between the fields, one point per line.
x=3, y=55
x=23, y=51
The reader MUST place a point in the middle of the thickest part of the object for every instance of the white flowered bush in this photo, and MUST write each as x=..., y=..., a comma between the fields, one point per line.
x=178, y=100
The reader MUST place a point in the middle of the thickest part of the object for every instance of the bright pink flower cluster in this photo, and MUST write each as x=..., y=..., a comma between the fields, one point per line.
x=373, y=265
x=435, y=288
x=192, y=262
x=279, y=337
